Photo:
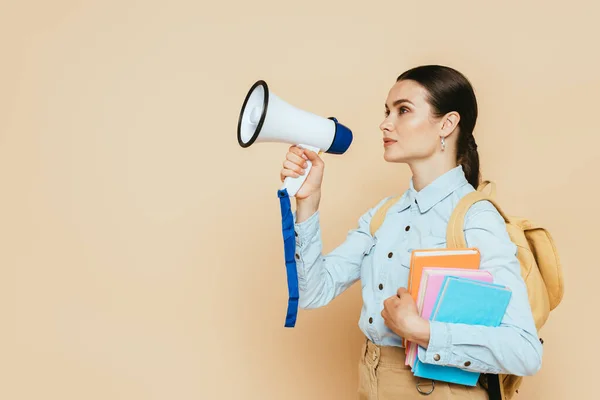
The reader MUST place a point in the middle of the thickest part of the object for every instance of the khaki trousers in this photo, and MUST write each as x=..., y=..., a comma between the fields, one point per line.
x=382, y=375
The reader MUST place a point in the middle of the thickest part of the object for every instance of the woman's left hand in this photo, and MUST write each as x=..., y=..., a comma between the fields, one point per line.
x=402, y=317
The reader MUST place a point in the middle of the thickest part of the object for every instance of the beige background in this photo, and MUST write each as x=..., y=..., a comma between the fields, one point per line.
x=132, y=266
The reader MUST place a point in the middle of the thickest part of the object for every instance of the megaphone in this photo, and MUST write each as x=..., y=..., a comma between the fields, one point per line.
x=264, y=117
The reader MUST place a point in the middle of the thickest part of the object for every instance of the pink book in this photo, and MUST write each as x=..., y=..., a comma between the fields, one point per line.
x=429, y=289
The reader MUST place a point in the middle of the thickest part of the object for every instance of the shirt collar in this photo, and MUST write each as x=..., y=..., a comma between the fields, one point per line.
x=437, y=190
x=402, y=204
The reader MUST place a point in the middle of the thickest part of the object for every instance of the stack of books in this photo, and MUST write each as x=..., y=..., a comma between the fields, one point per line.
x=448, y=286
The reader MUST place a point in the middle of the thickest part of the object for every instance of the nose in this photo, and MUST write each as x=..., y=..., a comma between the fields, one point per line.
x=386, y=126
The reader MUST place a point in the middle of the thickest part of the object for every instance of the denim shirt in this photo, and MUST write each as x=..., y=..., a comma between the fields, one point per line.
x=381, y=263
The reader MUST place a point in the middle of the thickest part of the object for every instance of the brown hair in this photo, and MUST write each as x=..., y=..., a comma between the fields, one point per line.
x=449, y=90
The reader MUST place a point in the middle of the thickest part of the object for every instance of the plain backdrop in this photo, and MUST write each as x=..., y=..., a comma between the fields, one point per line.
x=140, y=246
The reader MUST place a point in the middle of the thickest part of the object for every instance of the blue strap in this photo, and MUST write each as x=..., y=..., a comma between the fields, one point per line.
x=289, y=242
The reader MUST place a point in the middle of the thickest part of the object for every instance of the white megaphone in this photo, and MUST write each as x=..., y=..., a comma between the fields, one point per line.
x=266, y=118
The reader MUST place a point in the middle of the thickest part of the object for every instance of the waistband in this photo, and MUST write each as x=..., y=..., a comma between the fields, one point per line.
x=385, y=354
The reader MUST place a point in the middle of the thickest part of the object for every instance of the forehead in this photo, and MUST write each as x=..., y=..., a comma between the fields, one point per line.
x=409, y=90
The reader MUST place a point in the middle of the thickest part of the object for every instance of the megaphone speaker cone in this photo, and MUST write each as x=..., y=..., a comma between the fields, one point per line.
x=253, y=114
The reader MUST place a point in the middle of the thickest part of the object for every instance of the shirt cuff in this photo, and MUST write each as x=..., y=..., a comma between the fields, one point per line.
x=439, y=350
x=306, y=229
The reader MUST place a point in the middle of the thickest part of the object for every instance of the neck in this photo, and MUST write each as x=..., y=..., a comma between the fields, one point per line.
x=426, y=171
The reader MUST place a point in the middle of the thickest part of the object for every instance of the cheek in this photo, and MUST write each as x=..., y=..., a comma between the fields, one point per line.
x=411, y=125
x=415, y=132
x=415, y=138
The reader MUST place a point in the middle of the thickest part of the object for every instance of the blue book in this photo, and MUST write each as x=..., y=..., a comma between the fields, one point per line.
x=464, y=301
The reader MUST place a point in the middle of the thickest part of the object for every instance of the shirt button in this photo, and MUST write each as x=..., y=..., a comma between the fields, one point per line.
x=390, y=254
x=407, y=228
x=467, y=363
x=436, y=357
x=297, y=256
x=371, y=320
x=381, y=286
x=296, y=233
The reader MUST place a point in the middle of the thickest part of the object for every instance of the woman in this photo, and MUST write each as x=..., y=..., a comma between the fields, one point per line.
x=430, y=114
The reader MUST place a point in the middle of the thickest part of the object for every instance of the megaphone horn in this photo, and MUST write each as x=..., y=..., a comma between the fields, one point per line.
x=264, y=117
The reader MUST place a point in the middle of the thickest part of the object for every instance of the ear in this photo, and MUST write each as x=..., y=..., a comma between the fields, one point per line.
x=449, y=123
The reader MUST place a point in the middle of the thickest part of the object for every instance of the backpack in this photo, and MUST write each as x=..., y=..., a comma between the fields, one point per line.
x=540, y=268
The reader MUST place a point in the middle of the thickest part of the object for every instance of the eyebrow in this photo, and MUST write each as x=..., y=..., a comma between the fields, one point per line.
x=400, y=101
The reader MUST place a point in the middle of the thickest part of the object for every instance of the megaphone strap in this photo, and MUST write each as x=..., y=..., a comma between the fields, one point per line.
x=289, y=242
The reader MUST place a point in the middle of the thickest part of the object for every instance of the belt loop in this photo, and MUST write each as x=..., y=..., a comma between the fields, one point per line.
x=376, y=355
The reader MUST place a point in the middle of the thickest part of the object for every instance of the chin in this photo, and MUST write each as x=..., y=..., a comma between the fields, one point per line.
x=394, y=157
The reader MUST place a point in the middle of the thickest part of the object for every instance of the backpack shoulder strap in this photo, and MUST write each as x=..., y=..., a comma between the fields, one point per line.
x=455, y=237
x=484, y=184
x=381, y=212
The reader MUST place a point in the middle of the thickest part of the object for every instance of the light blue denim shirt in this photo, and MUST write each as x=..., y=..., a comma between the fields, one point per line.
x=381, y=262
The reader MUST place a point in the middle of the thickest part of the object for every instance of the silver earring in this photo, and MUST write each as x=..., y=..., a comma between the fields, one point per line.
x=443, y=144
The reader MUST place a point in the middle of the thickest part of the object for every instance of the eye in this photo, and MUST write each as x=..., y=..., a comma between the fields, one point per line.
x=386, y=113
x=403, y=110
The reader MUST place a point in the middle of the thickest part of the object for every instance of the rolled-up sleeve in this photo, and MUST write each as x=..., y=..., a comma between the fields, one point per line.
x=513, y=347
x=321, y=277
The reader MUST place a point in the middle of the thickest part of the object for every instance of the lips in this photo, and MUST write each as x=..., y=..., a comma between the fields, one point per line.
x=388, y=141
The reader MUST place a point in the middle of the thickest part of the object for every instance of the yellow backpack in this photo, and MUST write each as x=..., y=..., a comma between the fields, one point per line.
x=540, y=266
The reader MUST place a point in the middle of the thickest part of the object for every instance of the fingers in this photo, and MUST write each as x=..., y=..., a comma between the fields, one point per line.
x=391, y=303
x=384, y=316
x=387, y=318
x=285, y=172
x=289, y=165
x=294, y=164
x=296, y=159
x=402, y=292
x=297, y=151
x=386, y=302
x=305, y=154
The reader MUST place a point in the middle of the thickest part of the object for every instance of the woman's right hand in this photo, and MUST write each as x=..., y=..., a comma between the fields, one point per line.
x=294, y=165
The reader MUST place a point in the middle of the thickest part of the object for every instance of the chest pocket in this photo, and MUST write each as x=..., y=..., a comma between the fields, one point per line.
x=371, y=247
x=431, y=236
x=404, y=259
x=433, y=242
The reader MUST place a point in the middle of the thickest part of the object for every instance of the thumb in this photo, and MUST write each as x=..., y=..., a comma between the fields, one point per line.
x=313, y=157
x=402, y=292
